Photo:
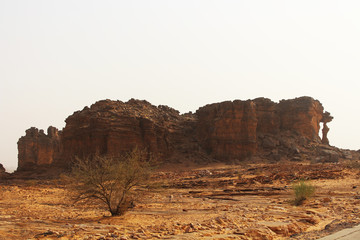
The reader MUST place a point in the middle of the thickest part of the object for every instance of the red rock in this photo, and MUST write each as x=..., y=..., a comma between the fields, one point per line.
x=231, y=130
x=227, y=130
x=267, y=115
x=325, y=119
x=2, y=170
x=38, y=149
x=301, y=115
x=114, y=127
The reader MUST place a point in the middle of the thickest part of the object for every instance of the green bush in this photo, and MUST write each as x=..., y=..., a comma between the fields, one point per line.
x=302, y=191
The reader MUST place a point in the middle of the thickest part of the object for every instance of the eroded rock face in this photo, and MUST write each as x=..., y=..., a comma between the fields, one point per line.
x=37, y=148
x=301, y=115
x=267, y=116
x=231, y=130
x=114, y=127
x=227, y=130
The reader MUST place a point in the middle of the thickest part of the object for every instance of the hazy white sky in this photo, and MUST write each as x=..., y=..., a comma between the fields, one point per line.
x=58, y=56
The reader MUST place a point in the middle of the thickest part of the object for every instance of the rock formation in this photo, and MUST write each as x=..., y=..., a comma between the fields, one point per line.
x=37, y=148
x=301, y=115
x=325, y=119
x=228, y=129
x=231, y=130
x=114, y=127
x=267, y=116
x=2, y=170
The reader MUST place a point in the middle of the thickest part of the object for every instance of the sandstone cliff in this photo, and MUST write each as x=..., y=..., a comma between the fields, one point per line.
x=302, y=115
x=37, y=148
x=113, y=127
x=227, y=131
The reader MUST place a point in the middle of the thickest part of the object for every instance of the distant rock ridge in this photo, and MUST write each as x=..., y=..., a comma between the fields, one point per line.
x=226, y=131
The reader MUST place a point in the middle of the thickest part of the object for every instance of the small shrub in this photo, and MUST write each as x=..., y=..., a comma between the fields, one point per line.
x=110, y=180
x=302, y=191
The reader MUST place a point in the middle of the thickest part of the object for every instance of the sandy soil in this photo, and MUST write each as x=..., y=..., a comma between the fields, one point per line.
x=213, y=202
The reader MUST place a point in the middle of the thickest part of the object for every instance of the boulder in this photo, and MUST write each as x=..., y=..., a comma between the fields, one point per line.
x=329, y=156
x=347, y=154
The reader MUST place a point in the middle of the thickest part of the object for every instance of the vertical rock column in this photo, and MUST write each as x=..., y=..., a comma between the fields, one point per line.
x=325, y=119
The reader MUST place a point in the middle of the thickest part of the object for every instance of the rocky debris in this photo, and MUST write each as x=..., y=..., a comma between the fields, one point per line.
x=38, y=149
x=228, y=131
x=329, y=156
x=49, y=233
x=326, y=153
x=253, y=181
x=346, y=154
x=260, y=233
x=282, y=228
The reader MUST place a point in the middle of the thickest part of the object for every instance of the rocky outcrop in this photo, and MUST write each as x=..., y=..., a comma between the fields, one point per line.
x=114, y=127
x=267, y=116
x=37, y=148
x=2, y=170
x=227, y=130
x=240, y=129
x=301, y=115
x=231, y=130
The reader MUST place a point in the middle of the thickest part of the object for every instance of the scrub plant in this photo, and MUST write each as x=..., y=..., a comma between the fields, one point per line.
x=302, y=191
x=110, y=180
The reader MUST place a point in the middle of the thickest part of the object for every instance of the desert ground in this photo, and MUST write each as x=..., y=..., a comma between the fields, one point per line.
x=213, y=201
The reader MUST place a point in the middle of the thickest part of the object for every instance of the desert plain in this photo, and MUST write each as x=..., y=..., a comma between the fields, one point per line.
x=210, y=201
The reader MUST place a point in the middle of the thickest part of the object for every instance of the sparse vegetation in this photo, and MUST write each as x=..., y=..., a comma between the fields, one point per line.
x=110, y=180
x=302, y=190
x=175, y=201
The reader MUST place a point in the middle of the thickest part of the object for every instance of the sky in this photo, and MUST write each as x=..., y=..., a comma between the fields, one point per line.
x=58, y=56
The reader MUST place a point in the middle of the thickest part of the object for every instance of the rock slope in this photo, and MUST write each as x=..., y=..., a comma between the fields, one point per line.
x=226, y=131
